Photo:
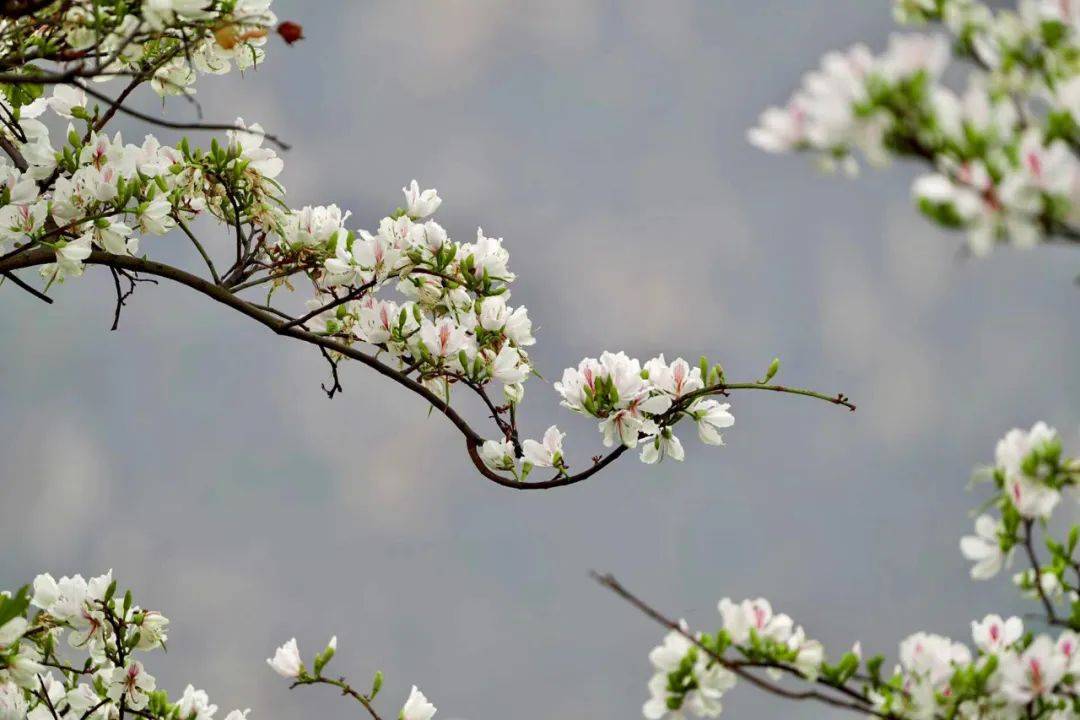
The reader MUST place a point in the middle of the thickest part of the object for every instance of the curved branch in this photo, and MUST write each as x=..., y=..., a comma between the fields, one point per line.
x=282, y=324
x=345, y=688
x=41, y=256
x=116, y=104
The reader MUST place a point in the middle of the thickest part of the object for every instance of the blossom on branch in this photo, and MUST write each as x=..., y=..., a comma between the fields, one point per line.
x=1003, y=152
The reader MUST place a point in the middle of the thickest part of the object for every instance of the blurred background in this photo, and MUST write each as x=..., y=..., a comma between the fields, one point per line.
x=194, y=453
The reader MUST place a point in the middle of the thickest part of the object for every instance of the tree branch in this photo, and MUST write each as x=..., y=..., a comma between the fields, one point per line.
x=116, y=105
x=275, y=321
x=859, y=702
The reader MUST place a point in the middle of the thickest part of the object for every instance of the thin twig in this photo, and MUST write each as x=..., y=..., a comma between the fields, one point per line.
x=345, y=688
x=32, y=290
x=179, y=125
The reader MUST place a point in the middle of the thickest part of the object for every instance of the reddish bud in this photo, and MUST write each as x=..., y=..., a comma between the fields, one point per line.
x=290, y=32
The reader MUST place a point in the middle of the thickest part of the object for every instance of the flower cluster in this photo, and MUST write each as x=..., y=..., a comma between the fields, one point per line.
x=1003, y=149
x=450, y=319
x=41, y=627
x=635, y=403
x=1008, y=673
x=1029, y=476
x=107, y=194
x=691, y=672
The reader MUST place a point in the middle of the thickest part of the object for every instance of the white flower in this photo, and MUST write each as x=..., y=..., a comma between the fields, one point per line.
x=509, y=366
x=626, y=404
x=22, y=189
x=344, y=268
x=69, y=259
x=498, y=454
x=155, y=217
x=932, y=657
x=286, y=661
x=376, y=253
x=72, y=599
x=983, y=548
x=1051, y=169
x=431, y=235
x=313, y=225
x=828, y=96
x=132, y=683
x=548, y=454
x=443, y=338
x=712, y=679
x=756, y=615
x=83, y=697
x=1068, y=645
x=1034, y=673
x=417, y=707
x=1031, y=499
x=667, y=656
x=115, y=237
x=623, y=428
x=25, y=667
x=656, y=707
x=54, y=692
x=993, y=634
x=153, y=630
x=519, y=327
x=810, y=654
x=195, y=705
x=19, y=222
x=401, y=233
x=250, y=139
x=780, y=130
x=1013, y=449
x=988, y=210
x=513, y=393
x=625, y=374
x=65, y=98
x=488, y=257
x=493, y=313
x=12, y=702
x=711, y=417
x=977, y=109
x=656, y=447
x=419, y=204
x=46, y=594
x=577, y=383
x=677, y=379
x=376, y=320
x=910, y=53
x=160, y=13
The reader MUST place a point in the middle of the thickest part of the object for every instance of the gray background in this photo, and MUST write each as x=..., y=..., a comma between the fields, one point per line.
x=195, y=454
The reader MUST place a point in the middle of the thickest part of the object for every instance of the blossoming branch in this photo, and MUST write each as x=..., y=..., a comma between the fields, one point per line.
x=42, y=626
x=1003, y=148
x=1011, y=673
x=431, y=313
